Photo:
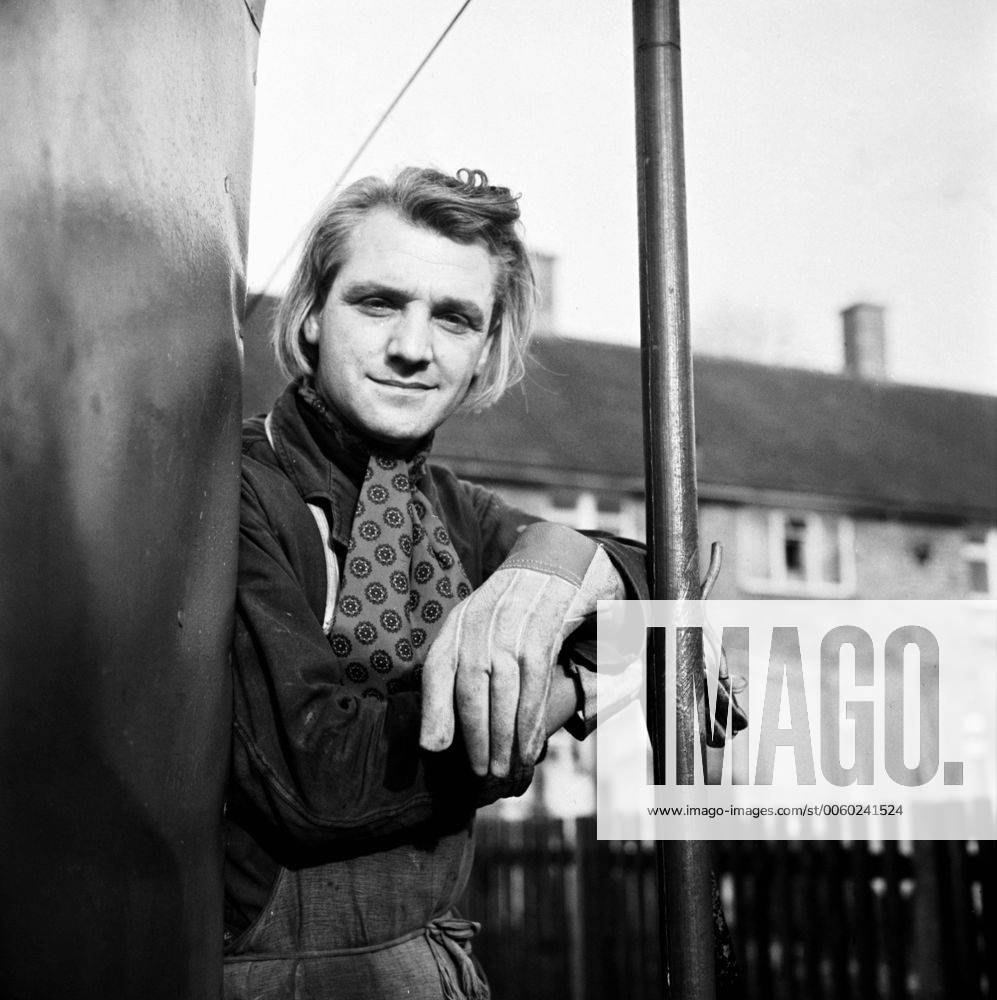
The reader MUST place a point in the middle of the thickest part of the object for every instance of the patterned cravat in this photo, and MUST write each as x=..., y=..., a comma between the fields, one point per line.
x=402, y=576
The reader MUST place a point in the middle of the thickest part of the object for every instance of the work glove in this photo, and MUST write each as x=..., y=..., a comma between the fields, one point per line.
x=492, y=661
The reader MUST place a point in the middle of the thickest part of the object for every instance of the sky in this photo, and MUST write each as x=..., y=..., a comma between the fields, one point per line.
x=836, y=151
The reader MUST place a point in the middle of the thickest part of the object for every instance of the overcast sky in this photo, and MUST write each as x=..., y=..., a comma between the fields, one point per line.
x=836, y=151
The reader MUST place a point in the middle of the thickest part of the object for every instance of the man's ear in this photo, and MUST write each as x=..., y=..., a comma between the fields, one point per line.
x=310, y=329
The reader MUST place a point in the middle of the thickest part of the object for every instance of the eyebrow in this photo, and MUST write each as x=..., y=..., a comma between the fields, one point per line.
x=474, y=315
x=361, y=289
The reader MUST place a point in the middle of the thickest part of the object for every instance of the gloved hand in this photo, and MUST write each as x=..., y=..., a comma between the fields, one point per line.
x=494, y=656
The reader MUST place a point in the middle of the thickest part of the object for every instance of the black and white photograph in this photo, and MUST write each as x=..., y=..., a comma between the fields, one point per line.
x=498, y=500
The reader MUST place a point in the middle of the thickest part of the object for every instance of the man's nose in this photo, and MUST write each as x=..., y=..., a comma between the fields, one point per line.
x=412, y=337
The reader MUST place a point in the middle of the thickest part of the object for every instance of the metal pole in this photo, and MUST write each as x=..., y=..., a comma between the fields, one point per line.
x=684, y=883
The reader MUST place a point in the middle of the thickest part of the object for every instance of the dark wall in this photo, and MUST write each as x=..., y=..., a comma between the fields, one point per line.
x=125, y=146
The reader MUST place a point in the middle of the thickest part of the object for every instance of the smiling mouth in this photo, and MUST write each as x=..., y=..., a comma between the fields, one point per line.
x=396, y=383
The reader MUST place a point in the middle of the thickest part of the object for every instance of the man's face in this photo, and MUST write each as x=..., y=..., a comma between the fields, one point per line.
x=404, y=328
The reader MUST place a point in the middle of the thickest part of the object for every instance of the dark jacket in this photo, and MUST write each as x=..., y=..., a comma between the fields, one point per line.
x=314, y=770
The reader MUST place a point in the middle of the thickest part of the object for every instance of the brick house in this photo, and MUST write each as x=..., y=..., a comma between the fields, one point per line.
x=817, y=484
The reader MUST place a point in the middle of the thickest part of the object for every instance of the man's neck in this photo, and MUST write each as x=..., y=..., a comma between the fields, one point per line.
x=350, y=438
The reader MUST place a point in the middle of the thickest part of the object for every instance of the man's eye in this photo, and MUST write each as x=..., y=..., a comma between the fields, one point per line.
x=456, y=321
x=376, y=305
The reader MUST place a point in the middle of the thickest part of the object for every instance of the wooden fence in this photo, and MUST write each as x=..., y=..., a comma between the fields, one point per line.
x=567, y=916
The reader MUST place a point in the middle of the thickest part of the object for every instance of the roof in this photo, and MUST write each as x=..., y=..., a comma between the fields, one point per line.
x=762, y=433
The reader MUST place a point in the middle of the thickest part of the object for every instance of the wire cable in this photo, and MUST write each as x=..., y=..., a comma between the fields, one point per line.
x=361, y=149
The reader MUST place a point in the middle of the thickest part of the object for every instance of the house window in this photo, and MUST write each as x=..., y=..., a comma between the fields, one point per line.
x=796, y=552
x=979, y=553
x=587, y=511
x=794, y=548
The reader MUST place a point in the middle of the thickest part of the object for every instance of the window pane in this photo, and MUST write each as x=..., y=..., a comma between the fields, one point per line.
x=979, y=578
x=830, y=556
x=754, y=542
x=794, y=548
x=563, y=499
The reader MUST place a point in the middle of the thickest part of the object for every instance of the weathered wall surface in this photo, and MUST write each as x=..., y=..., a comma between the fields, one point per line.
x=125, y=148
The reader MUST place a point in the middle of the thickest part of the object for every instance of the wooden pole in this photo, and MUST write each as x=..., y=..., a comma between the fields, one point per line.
x=684, y=883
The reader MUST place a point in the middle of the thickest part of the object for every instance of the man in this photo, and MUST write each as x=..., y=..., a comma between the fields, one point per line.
x=378, y=595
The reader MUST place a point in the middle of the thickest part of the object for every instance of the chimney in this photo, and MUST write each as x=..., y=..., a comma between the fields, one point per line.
x=543, y=271
x=865, y=341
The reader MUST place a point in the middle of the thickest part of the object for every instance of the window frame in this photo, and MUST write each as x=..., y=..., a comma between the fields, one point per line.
x=984, y=551
x=585, y=515
x=779, y=580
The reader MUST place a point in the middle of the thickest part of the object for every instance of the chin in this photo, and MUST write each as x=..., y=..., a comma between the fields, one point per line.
x=417, y=424
x=400, y=432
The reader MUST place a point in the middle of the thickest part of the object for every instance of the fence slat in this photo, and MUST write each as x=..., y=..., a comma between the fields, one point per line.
x=837, y=929
x=958, y=948
x=894, y=956
x=987, y=880
x=809, y=889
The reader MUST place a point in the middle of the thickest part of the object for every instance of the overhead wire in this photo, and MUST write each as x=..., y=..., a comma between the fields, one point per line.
x=351, y=163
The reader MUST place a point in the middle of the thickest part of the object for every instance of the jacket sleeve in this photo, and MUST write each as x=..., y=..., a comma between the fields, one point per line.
x=501, y=524
x=316, y=763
